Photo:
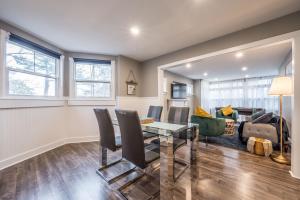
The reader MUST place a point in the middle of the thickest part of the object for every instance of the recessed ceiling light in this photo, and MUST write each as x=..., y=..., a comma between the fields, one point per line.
x=244, y=68
x=135, y=30
x=205, y=74
x=239, y=55
x=188, y=65
x=246, y=76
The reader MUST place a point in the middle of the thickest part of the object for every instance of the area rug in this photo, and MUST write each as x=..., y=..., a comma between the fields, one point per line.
x=231, y=141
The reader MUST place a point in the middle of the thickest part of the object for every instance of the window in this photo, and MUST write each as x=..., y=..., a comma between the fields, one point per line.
x=93, y=78
x=31, y=70
x=251, y=93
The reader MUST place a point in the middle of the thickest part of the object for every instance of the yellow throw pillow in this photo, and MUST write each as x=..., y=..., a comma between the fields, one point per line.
x=227, y=110
x=202, y=113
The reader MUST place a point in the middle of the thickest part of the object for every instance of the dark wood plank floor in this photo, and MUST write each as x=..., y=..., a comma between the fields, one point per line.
x=68, y=172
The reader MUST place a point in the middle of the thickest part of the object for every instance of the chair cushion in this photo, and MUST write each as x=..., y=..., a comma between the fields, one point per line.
x=150, y=156
x=118, y=141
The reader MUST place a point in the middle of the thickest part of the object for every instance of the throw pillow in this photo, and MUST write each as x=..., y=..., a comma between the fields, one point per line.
x=264, y=119
x=227, y=110
x=257, y=114
x=202, y=113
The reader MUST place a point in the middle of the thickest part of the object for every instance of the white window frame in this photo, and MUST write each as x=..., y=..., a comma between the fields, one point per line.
x=20, y=101
x=74, y=100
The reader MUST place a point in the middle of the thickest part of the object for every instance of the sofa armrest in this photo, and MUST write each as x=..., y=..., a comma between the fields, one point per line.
x=265, y=131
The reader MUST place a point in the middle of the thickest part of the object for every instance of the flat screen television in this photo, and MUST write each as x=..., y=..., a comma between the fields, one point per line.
x=178, y=90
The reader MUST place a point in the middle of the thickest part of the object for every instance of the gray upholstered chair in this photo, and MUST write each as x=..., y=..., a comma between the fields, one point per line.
x=178, y=115
x=155, y=113
x=108, y=141
x=133, y=147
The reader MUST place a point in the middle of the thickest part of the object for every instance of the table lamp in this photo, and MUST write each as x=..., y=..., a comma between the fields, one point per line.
x=281, y=86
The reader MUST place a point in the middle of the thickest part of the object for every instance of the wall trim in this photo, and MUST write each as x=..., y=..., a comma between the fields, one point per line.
x=12, y=103
x=291, y=173
x=42, y=149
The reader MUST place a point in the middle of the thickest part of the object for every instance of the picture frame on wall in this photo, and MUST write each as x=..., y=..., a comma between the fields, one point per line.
x=131, y=84
x=131, y=89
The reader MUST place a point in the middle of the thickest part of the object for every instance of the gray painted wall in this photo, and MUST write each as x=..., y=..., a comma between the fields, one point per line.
x=29, y=36
x=269, y=29
x=124, y=65
x=171, y=77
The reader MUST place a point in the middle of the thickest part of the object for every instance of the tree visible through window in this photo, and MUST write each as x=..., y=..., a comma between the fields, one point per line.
x=93, y=79
x=30, y=73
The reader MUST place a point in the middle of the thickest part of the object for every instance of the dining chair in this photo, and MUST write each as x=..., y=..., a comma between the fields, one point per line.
x=108, y=141
x=177, y=115
x=133, y=146
x=155, y=113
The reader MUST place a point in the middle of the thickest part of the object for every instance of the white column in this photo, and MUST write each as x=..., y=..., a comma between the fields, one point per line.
x=295, y=169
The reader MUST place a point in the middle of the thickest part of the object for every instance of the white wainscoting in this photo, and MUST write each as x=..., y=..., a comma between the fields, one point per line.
x=141, y=104
x=27, y=132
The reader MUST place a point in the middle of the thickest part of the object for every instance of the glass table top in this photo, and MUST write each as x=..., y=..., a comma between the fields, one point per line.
x=164, y=128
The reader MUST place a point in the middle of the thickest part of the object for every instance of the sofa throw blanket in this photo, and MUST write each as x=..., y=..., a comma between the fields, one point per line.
x=275, y=121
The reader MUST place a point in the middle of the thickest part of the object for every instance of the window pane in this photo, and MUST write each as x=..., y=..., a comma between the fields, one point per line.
x=84, y=89
x=44, y=64
x=26, y=84
x=19, y=57
x=102, y=89
x=102, y=72
x=83, y=71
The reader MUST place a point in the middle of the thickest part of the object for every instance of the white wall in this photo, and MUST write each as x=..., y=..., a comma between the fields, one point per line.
x=26, y=132
x=296, y=110
x=29, y=131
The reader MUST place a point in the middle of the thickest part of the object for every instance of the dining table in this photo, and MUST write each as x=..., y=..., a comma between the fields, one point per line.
x=166, y=131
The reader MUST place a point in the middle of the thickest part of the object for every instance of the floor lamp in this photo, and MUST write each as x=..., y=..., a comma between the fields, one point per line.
x=281, y=86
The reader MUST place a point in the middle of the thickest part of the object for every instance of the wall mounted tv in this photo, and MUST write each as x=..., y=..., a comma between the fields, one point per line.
x=178, y=90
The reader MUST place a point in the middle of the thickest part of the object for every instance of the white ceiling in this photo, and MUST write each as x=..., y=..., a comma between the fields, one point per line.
x=260, y=61
x=102, y=26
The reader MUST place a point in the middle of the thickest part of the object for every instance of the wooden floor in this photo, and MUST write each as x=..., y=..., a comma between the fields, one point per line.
x=68, y=172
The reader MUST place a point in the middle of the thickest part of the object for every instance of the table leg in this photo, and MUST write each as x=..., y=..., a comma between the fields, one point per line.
x=167, y=180
x=194, y=145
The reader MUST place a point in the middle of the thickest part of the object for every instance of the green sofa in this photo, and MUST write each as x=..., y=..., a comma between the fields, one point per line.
x=233, y=116
x=209, y=127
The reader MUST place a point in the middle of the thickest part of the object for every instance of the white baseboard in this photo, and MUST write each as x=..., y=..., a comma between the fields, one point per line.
x=42, y=149
x=81, y=139
x=294, y=175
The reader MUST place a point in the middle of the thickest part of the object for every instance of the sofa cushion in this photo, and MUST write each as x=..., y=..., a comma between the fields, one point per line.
x=227, y=110
x=264, y=119
x=257, y=115
x=201, y=112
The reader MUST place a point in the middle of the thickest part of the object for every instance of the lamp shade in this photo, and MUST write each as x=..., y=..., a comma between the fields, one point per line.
x=282, y=85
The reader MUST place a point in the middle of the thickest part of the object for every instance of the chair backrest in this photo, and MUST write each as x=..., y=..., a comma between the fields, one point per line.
x=178, y=114
x=106, y=129
x=132, y=137
x=155, y=112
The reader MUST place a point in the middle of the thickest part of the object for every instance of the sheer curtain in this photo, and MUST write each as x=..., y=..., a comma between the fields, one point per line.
x=250, y=93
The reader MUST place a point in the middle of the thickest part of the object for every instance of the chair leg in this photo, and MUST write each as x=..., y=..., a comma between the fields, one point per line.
x=104, y=165
x=206, y=141
x=181, y=162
